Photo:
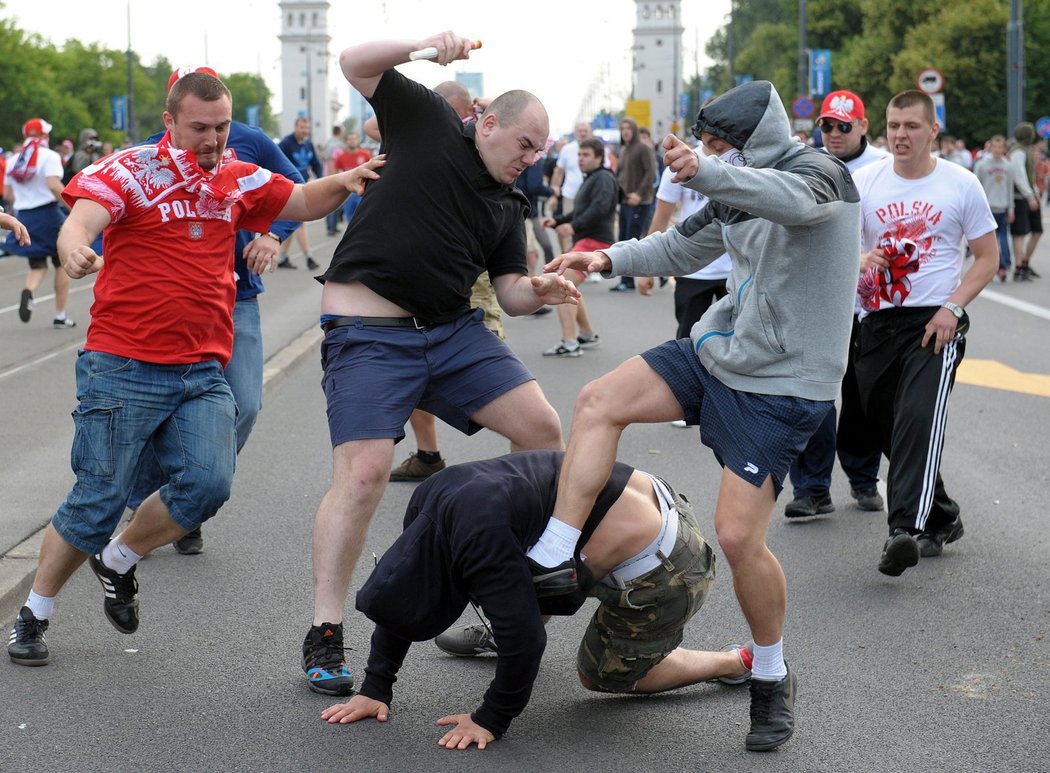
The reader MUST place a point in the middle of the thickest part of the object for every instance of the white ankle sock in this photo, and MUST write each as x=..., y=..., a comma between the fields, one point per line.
x=40, y=606
x=556, y=545
x=769, y=662
x=118, y=556
x=60, y=316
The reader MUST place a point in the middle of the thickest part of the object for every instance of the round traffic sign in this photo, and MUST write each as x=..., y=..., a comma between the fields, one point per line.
x=930, y=81
x=1042, y=126
x=803, y=107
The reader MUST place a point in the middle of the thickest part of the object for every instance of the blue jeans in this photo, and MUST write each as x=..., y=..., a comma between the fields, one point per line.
x=1002, y=233
x=244, y=374
x=181, y=414
x=350, y=206
x=634, y=224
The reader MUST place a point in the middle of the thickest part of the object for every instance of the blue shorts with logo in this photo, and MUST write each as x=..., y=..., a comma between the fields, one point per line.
x=375, y=376
x=754, y=435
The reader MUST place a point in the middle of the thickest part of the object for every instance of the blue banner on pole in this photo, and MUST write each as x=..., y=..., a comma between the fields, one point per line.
x=819, y=72
x=118, y=108
x=706, y=95
x=683, y=104
x=744, y=79
x=251, y=115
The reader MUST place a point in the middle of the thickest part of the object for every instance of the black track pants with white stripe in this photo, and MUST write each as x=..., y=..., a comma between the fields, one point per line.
x=905, y=390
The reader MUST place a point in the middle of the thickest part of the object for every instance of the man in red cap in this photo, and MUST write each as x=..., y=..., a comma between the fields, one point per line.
x=844, y=130
x=33, y=186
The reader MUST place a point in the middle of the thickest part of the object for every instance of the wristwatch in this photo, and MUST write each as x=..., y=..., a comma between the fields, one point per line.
x=274, y=236
x=954, y=308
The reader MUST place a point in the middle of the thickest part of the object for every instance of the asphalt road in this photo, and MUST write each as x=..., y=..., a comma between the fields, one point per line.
x=942, y=669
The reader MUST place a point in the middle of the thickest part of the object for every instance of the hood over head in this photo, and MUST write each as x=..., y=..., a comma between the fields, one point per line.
x=634, y=125
x=751, y=118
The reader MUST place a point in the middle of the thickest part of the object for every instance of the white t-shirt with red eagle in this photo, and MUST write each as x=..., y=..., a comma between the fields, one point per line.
x=166, y=291
x=921, y=225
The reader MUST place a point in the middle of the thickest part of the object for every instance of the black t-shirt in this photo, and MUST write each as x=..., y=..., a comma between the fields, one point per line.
x=466, y=532
x=435, y=218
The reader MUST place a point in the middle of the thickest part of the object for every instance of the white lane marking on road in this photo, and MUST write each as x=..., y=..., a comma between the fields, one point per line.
x=31, y=363
x=1008, y=300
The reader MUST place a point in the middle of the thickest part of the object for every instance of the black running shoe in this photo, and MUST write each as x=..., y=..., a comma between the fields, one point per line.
x=27, y=645
x=804, y=507
x=772, y=713
x=191, y=544
x=121, y=604
x=554, y=581
x=25, y=305
x=324, y=661
x=900, y=551
x=932, y=543
x=466, y=642
x=312, y=264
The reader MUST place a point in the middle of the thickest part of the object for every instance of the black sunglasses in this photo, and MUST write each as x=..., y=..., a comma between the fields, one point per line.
x=842, y=126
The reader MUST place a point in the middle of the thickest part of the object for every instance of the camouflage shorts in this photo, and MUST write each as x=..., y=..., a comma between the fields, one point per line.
x=483, y=297
x=635, y=628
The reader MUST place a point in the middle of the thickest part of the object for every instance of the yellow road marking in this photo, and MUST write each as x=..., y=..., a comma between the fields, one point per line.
x=995, y=375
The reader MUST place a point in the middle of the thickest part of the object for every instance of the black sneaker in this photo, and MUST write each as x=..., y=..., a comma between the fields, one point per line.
x=554, y=581
x=121, y=604
x=312, y=264
x=589, y=343
x=65, y=323
x=772, y=713
x=286, y=262
x=27, y=645
x=324, y=662
x=802, y=507
x=466, y=642
x=191, y=544
x=868, y=499
x=25, y=305
x=932, y=543
x=900, y=551
x=1032, y=273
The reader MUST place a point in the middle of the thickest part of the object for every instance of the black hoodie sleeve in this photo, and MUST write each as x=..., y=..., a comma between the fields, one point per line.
x=385, y=657
x=497, y=573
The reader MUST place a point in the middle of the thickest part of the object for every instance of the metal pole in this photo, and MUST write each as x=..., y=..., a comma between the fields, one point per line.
x=132, y=123
x=730, y=52
x=1015, y=71
x=803, y=59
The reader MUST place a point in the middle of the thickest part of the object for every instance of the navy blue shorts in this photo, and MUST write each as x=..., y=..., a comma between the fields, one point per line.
x=43, y=224
x=375, y=376
x=754, y=435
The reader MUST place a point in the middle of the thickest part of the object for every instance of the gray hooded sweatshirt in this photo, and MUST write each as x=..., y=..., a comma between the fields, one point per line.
x=790, y=221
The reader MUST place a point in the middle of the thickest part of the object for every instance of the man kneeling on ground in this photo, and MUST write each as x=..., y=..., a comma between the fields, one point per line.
x=466, y=531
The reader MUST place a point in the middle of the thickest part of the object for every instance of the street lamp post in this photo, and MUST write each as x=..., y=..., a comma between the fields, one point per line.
x=1015, y=98
x=803, y=59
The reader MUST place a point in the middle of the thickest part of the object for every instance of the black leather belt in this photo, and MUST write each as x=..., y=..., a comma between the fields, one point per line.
x=415, y=322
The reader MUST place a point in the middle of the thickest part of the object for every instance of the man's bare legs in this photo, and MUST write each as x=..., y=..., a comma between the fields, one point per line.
x=681, y=668
x=524, y=417
x=36, y=276
x=424, y=427
x=631, y=394
x=360, y=469
x=742, y=517
x=61, y=291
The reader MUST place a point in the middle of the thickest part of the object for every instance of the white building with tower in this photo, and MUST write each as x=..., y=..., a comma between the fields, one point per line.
x=304, y=67
x=658, y=62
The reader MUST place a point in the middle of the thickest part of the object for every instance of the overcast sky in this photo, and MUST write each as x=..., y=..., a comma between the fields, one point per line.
x=553, y=48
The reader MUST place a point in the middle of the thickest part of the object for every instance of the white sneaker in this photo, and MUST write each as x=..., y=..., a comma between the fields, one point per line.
x=561, y=350
x=594, y=277
x=679, y=423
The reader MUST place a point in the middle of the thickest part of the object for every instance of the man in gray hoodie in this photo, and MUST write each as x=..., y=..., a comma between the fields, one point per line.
x=760, y=370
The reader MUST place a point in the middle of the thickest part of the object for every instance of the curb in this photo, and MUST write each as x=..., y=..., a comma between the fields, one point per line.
x=18, y=565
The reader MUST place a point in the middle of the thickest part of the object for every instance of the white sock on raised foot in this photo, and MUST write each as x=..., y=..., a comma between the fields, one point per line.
x=556, y=544
x=768, y=664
